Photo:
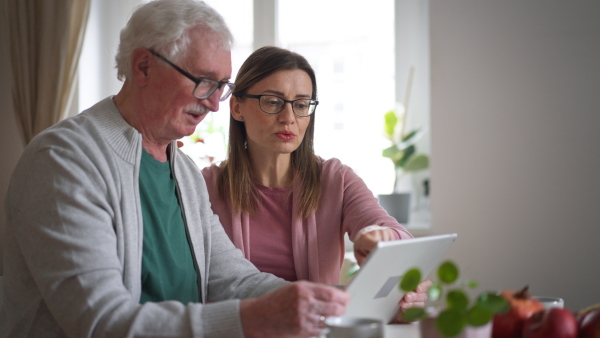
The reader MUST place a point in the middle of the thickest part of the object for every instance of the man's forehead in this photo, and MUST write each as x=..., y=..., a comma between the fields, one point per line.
x=207, y=54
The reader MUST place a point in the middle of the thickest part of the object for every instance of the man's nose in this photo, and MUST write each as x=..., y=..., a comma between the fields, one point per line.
x=212, y=102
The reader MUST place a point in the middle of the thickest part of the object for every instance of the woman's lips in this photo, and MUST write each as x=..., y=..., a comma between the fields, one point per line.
x=286, y=135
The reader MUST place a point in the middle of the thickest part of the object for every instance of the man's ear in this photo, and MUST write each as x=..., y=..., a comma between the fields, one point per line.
x=234, y=107
x=140, y=64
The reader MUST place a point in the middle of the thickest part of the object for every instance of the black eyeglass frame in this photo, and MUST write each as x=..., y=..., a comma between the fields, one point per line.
x=312, y=102
x=197, y=80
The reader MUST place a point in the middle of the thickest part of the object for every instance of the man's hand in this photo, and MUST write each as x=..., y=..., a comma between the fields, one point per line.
x=367, y=241
x=297, y=310
x=415, y=298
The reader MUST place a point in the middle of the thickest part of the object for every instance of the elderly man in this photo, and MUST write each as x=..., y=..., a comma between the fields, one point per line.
x=109, y=229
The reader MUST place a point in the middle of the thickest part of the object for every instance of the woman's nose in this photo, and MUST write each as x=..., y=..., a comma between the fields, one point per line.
x=286, y=115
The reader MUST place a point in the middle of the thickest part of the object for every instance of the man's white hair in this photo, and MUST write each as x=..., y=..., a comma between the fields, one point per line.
x=164, y=26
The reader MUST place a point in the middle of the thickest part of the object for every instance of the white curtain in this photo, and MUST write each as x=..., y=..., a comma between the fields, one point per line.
x=45, y=43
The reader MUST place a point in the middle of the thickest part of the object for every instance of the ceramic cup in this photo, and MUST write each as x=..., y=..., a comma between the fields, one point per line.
x=550, y=302
x=353, y=327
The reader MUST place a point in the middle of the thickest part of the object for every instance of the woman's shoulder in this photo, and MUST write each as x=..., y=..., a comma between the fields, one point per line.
x=212, y=171
x=334, y=165
x=211, y=176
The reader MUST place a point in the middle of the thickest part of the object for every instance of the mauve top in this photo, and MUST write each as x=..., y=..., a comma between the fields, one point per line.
x=271, y=233
x=317, y=242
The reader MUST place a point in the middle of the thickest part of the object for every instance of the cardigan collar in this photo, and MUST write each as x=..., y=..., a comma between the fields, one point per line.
x=124, y=139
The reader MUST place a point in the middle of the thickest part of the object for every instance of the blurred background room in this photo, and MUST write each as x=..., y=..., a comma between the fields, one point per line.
x=505, y=92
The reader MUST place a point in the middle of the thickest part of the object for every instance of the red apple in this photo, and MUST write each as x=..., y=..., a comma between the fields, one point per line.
x=553, y=323
x=590, y=325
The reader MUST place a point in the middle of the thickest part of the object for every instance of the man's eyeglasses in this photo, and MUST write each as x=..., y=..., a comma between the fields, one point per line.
x=205, y=87
x=271, y=104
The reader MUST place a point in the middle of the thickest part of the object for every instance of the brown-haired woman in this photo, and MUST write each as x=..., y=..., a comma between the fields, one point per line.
x=286, y=208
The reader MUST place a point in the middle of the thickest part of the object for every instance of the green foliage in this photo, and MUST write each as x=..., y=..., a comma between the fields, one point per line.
x=352, y=270
x=448, y=272
x=414, y=313
x=450, y=322
x=411, y=279
x=391, y=120
x=455, y=310
x=403, y=150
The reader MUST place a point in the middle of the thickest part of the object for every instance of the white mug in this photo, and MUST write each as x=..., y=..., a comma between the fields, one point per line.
x=353, y=327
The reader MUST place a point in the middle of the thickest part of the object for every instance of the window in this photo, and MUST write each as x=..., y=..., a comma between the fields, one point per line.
x=360, y=51
x=351, y=48
x=360, y=75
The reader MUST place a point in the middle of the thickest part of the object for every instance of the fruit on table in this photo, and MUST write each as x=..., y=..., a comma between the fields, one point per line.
x=522, y=306
x=552, y=323
x=589, y=324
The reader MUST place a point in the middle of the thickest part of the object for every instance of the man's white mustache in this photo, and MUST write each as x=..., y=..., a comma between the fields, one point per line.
x=196, y=108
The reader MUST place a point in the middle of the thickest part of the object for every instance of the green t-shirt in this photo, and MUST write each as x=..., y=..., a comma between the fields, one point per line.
x=168, y=269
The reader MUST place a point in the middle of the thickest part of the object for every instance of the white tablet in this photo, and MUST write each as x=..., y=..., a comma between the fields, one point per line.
x=374, y=289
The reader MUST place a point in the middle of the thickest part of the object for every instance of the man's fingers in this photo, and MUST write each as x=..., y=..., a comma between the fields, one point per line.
x=327, y=293
x=330, y=310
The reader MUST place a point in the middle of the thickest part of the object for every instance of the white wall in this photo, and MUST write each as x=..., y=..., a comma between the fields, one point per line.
x=515, y=138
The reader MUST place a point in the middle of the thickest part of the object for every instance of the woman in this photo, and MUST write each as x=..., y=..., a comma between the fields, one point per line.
x=284, y=207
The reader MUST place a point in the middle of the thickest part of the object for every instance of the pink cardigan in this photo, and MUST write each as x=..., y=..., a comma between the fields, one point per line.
x=346, y=206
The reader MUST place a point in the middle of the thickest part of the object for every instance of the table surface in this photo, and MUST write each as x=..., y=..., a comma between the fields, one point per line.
x=396, y=331
x=402, y=330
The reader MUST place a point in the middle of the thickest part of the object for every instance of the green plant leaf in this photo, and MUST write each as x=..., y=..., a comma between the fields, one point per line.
x=410, y=280
x=434, y=292
x=410, y=135
x=448, y=272
x=352, y=270
x=416, y=163
x=405, y=155
x=414, y=313
x=478, y=316
x=472, y=284
x=391, y=152
x=390, y=121
x=411, y=138
x=450, y=322
x=493, y=302
x=457, y=299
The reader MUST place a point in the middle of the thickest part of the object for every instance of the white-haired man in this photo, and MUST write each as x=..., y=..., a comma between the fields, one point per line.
x=109, y=227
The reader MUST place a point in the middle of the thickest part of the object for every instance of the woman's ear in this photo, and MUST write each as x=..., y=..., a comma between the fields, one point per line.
x=140, y=65
x=235, y=108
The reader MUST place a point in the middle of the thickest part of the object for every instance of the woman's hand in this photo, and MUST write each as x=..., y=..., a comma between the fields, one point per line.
x=415, y=298
x=367, y=240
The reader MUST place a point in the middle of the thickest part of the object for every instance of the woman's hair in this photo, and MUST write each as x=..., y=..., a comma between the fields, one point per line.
x=235, y=177
x=164, y=26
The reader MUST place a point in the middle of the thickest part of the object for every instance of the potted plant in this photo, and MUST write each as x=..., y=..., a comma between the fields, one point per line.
x=403, y=153
x=451, y=312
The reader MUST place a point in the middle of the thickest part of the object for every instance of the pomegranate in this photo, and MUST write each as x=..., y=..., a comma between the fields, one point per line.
x=522, y=306
x=553, y=323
